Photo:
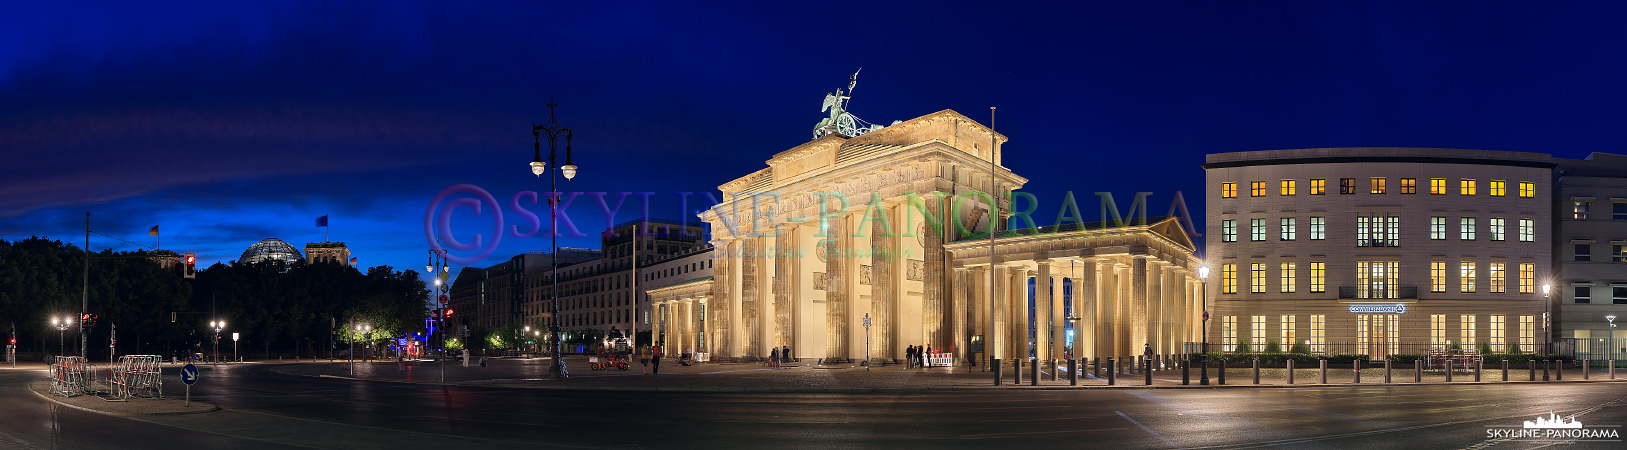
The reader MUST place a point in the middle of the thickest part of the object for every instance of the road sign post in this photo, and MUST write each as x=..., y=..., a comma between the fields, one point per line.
x=189, y=375
x=866, y=342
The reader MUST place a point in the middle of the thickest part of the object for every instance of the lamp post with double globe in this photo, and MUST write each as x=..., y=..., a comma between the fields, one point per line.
x=553, y=130
x=217, y=325
x=62, y=333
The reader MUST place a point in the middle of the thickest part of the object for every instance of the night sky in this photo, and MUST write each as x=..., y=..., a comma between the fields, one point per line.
x=225, y=124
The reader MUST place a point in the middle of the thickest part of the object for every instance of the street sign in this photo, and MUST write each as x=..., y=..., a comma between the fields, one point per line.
x=1205, y=315
x=443, y=299
x=234, y=337
x=189, y=374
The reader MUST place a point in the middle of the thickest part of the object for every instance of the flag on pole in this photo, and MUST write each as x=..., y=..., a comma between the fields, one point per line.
x=153, y=232
x=320, y=221
x=352, y=260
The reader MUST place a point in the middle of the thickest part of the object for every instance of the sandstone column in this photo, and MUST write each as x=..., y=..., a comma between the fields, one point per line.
x=937, y=314
x=722, y=260
x=836, y=293
x=1021, y=336
x=750, y=297
x=963, y=321
x=784, y=282
x=883, y=288
x=1084, y=306
x=1106, y=308
x=982, y=304
x=1125, y=340
x=1155, y=306
x=1042, y=310
x=999, y=305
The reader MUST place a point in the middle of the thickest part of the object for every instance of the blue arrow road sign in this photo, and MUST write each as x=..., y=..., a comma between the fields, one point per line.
x=189, y=374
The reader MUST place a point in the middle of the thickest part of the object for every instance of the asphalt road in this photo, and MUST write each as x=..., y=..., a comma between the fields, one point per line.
x=265, y=409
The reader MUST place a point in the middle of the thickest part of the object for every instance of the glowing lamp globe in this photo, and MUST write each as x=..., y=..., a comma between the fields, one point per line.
x=569, y=170
x=538, y=167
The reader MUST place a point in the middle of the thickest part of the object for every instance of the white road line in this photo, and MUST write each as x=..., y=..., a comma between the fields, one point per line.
x=1150, y=431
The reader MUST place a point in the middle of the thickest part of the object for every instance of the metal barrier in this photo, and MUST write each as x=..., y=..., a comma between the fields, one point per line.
x=69, y=376
x=137, y=376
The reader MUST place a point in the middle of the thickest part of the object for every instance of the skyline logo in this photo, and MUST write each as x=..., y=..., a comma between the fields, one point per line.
x=1553, y=421
x=1554, y=428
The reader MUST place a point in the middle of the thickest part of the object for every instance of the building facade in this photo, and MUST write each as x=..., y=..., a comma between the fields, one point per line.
x=1591, y=248
x=1379, y=251
x=685, y=268
x=327, y=252
x=602, y=294
x=853, y=247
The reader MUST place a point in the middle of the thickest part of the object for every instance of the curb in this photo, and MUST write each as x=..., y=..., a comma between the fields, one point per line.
x=112, y=413
x=1121, y=386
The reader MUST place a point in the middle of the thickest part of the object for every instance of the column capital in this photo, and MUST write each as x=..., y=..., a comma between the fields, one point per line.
x=1043, y=262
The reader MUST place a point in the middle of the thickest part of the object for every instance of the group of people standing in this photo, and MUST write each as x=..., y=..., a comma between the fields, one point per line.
x=778, y=357
x=916, y=356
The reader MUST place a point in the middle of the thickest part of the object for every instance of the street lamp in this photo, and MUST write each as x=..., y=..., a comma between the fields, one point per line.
x=1547, y=307
x=1203, y=289
x=553, y=129
x=62, y=331
x=217, y=325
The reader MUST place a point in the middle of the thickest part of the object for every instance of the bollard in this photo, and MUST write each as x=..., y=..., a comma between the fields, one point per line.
x=1097, y=364
x=1112, y=369
x=1545, y=364
x=994, y=366
x=1186, y=373
x=1386, y=370
x=1149, y=372
x=1056, y=370
x=1290, y=371
x=1448, y=370
x=1017, y=371
x=1559, y=370
x=1586, y=363
x=1532, y=364
x=1356, y=365
x=1612, y=369
x=1417, y=371
x=1256, y=370
x=1223, y=372
x=1505, y=371
x=1324, y=363
x=1478, y=364
x=1033, y=372
x=1073, y=372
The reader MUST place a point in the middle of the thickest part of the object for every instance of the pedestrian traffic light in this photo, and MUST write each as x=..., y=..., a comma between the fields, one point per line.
x=436, y=313
x=448, y=313
x=190, y=260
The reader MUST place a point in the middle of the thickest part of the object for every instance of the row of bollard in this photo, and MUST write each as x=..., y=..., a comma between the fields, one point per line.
x=1145, y=366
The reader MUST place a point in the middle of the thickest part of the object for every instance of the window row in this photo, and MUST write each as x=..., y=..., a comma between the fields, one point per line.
x=1584, y=294
x=1378, y=334
x=1583, y=210
x=1381, y=230
x=1381, y=185
x=1381, y=279
x=1583, y=252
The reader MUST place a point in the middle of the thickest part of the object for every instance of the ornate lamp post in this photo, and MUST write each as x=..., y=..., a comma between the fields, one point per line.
x=217, y=325
x=553, y=130
x=1547, y=333
x=1203, y=283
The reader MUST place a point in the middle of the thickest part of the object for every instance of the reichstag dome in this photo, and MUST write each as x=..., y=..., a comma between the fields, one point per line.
x=270, y=249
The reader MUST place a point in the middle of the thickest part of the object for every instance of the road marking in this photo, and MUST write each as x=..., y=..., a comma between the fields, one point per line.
x=1149, y=431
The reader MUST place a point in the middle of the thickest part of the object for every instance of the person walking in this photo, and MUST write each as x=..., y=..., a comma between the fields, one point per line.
x=655, y=359
x=774, y=358
x=644, y=358
x=926, y=358
x=909, y=357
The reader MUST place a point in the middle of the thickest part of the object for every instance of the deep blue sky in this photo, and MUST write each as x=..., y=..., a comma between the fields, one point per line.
x=229, y=123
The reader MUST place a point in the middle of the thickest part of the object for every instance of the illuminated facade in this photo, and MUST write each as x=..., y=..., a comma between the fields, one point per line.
x=1379, y=251
x=327, y=252
x=1591, y=246
x=270, y=249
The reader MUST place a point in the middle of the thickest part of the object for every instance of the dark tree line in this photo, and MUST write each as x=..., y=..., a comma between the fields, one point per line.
x=276, y=308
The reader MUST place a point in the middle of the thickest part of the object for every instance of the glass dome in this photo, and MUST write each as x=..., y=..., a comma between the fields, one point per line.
x=270, y=249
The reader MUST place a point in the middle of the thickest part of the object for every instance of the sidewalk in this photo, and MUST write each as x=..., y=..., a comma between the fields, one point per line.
x=808, y=376
x=170, y=405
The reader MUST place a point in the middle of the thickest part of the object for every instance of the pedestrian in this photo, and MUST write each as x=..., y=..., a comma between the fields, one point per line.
x=1146, y=355
x=909, y=357
x=925, y=359
x=920, y=357
x=644, y=358
x=655, y=359
x=774, y=358
x=787, y=353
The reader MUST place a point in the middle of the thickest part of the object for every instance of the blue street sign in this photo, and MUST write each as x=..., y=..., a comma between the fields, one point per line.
x=189, y=374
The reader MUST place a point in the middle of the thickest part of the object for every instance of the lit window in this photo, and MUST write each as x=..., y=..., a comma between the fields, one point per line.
x=1286, y=224
x=1437, y=276
x=1256, y=278
x=1466, y=186
x=1499, y=188
x=1319, y=277
x=1256, y=188
x=1319, y=186
x=1499, y=281
x=1228, y=278
x=1288, y=278
x=1319, y=333
x=1347, y=185
x=1496, y=333
x=1319, y=228
x=1409, y=185
x=1228, y=190
x=1362, y=336
x=1437, y=332
x=1257, y=332
x=1528, y=189
x=1437, y=228
x=1579, y=210
x=1287, y=187
x=1496, y=228
x=1582, y=294
x=1528, y=278
x=1466, y=277
x=1377, y=279
x=1437, y=186
x=1376, y=185
x=1228, y=333
x=1257, y=230
x=1528, y=326
x=1466, y=227
x=1528, y=230
x=1288, y=324
x=1618, y=253
x=1228, y=230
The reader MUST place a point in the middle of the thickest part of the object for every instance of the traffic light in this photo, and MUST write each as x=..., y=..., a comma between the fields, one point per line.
x=191, y=261
x=436, y=313
x=448, y=313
